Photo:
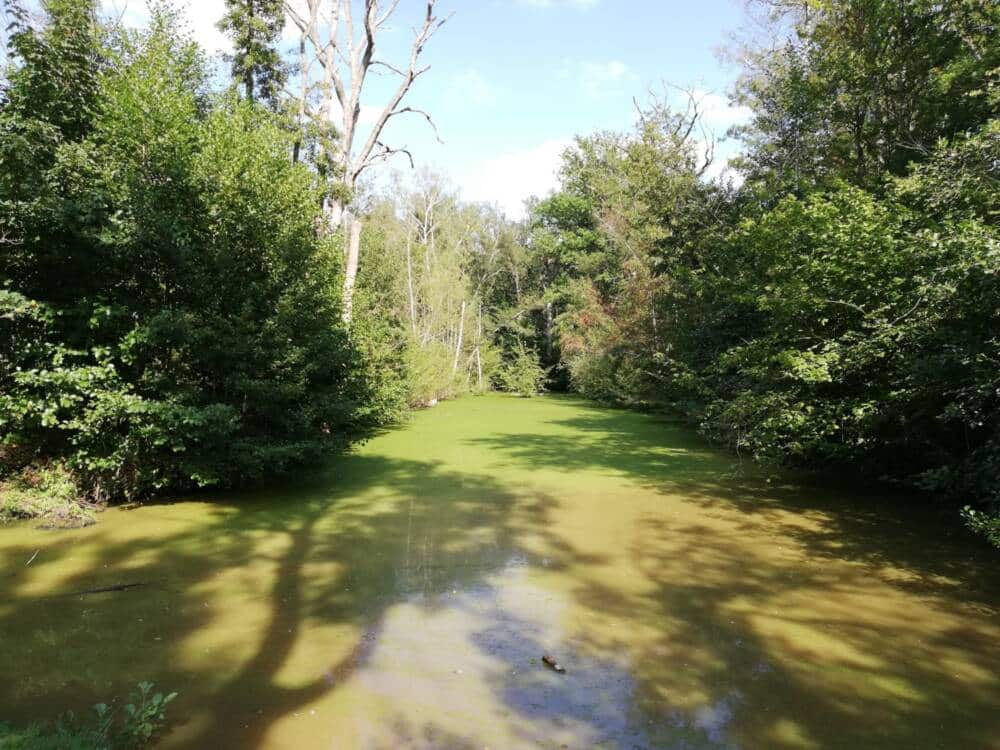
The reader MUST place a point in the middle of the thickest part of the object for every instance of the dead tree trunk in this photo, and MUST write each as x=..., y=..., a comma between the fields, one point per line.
x=350, y=275
x=458, y=344
x=344, y=60
x=409, y=280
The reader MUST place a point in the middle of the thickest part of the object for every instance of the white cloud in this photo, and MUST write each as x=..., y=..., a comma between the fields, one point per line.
x=513, y=176
x=472, y=87
x=201, y=15
x=600, y=78
x=718, y=113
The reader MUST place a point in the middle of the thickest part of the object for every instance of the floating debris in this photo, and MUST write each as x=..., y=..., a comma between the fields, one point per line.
x=551, y=663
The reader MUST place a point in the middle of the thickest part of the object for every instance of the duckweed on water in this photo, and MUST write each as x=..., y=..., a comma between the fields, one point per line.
x=404, y=597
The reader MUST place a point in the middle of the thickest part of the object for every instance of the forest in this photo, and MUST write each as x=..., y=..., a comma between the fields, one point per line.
x=198, y=287
x=700, y=450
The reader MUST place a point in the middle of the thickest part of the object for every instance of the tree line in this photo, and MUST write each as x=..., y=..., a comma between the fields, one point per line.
x=186, y=297
x=840, y=308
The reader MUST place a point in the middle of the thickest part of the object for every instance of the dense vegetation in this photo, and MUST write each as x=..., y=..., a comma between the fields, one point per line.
x=171, y=290
x=170, y=314
x=841, y=308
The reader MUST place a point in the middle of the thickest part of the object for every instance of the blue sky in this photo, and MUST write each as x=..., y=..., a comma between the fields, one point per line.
x=512, y=81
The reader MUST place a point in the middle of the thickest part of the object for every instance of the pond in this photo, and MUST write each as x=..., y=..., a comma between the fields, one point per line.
x=404, y=596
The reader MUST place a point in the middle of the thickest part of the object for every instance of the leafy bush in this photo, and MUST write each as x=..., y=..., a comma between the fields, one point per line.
x=169, y=317
x=429, y=373
x=866, y=337
x=521, y=373
x=135, y=726
x=983, y=523
x=46, y=491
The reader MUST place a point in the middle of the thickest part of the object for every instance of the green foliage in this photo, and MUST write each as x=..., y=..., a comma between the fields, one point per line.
x=839, y=311
x=144, y=716
x=854, y=338
x=43, y=491
x=135, y=726
x=428, y=373
x=959, y=180
x=439, y=278
x=983, y=523
x=255, y=28
x=171, y=316
x=522, y=374
x=382, y=369
x=861, y=89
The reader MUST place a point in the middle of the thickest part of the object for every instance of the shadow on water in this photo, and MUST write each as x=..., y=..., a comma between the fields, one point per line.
x=882, y=616
x=846, y=521
x=262, y=559
x=693, y=609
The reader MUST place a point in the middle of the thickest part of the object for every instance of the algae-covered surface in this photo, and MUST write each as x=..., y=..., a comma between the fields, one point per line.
x=404, y=598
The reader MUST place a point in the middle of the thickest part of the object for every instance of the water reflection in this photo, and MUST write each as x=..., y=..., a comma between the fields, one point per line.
x=404, y=599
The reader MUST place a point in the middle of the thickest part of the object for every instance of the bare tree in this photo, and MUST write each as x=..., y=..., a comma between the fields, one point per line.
x=345, y=53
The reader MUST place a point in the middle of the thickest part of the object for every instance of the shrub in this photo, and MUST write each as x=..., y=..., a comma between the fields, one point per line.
x=47, y=491
x=983, y=523
x=169, y=317
x=521, y=373
x=135, y=726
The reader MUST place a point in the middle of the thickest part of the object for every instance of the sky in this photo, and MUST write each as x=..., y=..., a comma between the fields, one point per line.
x=513, y=81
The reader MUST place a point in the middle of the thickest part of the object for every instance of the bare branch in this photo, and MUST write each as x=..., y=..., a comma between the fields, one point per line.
x=385, y=16
x=423, y=114
x=384, y=154
x=422, y=36
x=392, y=68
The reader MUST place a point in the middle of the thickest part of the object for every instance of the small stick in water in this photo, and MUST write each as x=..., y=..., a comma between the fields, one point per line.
x=551, y=663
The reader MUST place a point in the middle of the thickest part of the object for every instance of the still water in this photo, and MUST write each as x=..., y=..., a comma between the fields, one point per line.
x=404, y=597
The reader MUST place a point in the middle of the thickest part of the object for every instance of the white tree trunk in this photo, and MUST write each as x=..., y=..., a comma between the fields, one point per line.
x=479, y=343
x=353, y=226
x=458, y=344
x=409, y=281
x=336, y=216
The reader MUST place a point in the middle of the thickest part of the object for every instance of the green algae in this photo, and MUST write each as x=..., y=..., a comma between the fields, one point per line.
x=403, y=597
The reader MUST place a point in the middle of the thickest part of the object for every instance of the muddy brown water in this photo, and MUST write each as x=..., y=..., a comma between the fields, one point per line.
x=404, y=597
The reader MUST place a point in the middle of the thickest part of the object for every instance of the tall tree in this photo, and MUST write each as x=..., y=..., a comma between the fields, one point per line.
x=255, y=27
x=862, y=88
x=345, y=56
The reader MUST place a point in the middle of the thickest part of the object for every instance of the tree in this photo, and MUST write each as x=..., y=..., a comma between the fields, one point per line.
x=255, y=27
x=862, y=88
x=345, y=56
x=169, y=316
x=602, y=247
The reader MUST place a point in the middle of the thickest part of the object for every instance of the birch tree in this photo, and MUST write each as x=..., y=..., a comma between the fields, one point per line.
x=337, y=52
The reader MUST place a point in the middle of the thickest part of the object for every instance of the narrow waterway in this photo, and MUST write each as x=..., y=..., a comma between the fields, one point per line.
x=404, y=597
